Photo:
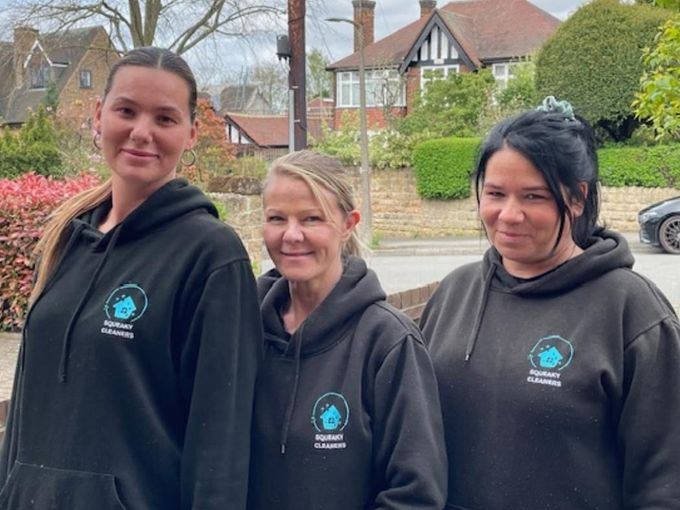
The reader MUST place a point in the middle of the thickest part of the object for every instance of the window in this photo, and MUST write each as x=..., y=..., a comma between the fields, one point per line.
x=85, y=79
x=383, y=88
x=430, y=73
x=40, y=76
x=503, y=73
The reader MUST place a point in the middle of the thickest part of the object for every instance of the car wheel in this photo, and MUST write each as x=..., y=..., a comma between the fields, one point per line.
x=669, y=234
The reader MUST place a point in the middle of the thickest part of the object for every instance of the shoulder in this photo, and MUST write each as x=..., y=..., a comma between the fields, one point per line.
x=387, y=327
x=214, y=238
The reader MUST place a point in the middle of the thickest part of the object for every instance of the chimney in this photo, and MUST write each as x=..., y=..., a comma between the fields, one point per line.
x=24, y=37
x=426, y=7
x=364, y=13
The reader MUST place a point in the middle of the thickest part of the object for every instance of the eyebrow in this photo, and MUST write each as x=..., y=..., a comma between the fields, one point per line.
x=528, y=188
x=125, y=99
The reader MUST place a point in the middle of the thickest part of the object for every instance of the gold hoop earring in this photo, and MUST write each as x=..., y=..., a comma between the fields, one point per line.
x=192, y=156
x=95, y=141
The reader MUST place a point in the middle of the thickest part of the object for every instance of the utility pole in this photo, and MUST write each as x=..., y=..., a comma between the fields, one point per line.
x=296, y=74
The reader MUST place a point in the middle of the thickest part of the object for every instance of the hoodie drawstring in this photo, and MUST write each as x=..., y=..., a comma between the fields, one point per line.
x=293, y=395
x=480, y=314
x=66, y=345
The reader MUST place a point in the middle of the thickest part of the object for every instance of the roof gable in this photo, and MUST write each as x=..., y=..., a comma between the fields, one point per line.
x=482, y=30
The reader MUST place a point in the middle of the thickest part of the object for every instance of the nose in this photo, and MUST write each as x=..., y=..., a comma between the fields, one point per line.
x=511, y=212
x=141, y=131
x=293, y=233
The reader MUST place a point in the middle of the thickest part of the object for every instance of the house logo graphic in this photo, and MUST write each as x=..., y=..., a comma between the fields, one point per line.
x=551, y=353
x=127, y=303
x=330, y=413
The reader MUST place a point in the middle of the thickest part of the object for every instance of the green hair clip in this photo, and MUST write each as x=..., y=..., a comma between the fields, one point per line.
x=552, y=105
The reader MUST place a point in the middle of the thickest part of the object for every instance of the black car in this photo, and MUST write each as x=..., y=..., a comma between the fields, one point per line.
x=660, y=225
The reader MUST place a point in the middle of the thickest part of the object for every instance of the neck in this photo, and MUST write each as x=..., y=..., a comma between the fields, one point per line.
x=306, y=296
x=124, y=200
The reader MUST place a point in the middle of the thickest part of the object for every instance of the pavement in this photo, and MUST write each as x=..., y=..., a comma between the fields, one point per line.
x=465, y=246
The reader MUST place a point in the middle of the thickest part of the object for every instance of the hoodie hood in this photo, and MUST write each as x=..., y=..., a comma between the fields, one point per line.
x=174, y=199
x=357, y=288
x=606, y=251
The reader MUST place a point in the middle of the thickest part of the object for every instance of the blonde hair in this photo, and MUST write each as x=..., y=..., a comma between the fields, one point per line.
x=321, y=172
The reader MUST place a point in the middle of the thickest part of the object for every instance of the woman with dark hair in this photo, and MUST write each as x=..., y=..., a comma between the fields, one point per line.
x=558, y=366
x=135, y=379
x=346, y=409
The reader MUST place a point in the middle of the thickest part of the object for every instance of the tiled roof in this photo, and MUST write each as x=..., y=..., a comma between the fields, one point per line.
x=270, y=130
x=486, y=30
x=243, y=98
x=66, y=47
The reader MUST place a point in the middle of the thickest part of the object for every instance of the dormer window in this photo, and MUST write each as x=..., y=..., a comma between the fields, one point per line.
x=39, y=76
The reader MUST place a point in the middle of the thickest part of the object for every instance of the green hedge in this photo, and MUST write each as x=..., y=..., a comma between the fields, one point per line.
x=443, y=167
x=649, y=167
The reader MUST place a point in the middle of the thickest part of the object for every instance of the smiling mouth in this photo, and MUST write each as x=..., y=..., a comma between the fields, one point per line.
x=138, y=154
x=285, y=254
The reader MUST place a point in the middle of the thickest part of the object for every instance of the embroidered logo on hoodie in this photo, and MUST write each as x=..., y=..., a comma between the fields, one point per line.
x=549, y=356
x=125, y=305
x=330, y=416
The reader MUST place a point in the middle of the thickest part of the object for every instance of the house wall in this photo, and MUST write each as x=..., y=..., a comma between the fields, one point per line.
x=376, y=118
x=76, y=103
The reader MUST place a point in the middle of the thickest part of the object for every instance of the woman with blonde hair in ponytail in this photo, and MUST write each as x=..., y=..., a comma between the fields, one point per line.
x=136, y=374
x=346, y=408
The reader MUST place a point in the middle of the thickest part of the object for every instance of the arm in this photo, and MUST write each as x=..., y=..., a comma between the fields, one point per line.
x=218, y=369
x=648, y=433
x=408, y=432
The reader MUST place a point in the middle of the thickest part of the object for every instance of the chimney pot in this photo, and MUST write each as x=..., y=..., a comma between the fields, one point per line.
x=426, y=7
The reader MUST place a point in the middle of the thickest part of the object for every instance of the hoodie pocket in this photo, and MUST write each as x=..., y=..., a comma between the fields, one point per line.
x=31, y=486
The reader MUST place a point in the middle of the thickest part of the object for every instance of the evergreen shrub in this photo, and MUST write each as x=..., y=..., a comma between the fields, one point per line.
x=443, y=167
x=649, y=167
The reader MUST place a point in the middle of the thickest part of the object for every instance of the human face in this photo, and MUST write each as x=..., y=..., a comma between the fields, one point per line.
x=521, y=218
x=145, y=125
x=304, y=242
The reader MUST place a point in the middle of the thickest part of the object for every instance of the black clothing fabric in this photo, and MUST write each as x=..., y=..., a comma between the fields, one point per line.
x=136, y=374
x=558, y=392
x=346, y=410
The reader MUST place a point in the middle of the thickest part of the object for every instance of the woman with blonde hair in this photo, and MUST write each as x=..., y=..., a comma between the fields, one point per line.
x=135, y=378
x=346, y=410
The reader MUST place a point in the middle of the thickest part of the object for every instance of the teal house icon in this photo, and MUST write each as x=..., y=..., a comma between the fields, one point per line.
x=550, y=358
x=124, y=309
x=331, y=418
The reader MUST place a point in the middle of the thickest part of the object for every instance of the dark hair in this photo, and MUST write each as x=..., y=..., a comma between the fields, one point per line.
x=157, y=58
x=563, y=151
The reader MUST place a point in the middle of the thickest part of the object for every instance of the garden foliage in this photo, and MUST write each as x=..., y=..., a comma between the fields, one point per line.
x=25, y=204
x=594, y=62
x=650, y=167
x=659, y=97
x=33, y=148
x=443, y=167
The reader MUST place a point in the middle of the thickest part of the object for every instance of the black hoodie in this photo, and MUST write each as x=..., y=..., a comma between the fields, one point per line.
x=135, y=379
x=570, y=395
x=346, y=411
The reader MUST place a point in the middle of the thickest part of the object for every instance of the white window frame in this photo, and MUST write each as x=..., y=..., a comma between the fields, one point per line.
x=446, y=69
x=377, y=84
x=503, y=72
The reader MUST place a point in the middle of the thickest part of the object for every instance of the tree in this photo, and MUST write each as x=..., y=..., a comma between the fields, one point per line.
x=666, y=4
x=594, y=62
x=179, y=25
x=659, y=97
x=318, y=79
x=451, y=106
x=271, y=79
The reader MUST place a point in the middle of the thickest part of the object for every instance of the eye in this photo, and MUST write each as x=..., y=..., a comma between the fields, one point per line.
x=313, y=219
x=164, y=119
x=273, y=218
x=494, y=194
x=535, y=196
x=124, y=111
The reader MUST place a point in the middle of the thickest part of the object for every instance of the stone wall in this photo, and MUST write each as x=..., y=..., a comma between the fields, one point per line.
x=398, y=211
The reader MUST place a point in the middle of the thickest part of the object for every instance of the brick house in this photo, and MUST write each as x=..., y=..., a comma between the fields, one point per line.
x=461, y=36
x=75, y=62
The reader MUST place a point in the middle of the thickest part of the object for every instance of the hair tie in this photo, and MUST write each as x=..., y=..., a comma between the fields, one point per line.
x=552, y=105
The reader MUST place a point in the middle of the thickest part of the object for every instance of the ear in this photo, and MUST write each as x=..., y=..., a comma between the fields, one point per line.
x=351, y=221
x=193, y=135
x=577, y=206
x=97, y=123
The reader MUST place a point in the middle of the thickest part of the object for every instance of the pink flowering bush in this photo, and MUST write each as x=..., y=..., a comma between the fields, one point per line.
x=25, y=204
